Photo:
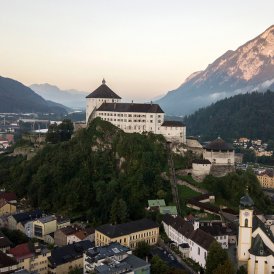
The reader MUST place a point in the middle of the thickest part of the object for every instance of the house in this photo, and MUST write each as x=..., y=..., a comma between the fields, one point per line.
x=23, y=221
x=31, y=257
x=73, y=234
x=62, y=221
x=8, y=196
x=160, y=205
x=113, y=258
x=7, y=263
x=201, y=167
x=5, y=243
x=216, y=229
x=188, y=238
x=266, y=178
x=128, y=234
x=132, y=117
x=6, y=208
x=255, y=240
x=65, y=258
x=44, y=226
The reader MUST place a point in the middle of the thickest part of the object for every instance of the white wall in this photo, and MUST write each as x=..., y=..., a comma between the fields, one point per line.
x=200, y=169
x=174, y=134
x=220, y=157
x=197, y=253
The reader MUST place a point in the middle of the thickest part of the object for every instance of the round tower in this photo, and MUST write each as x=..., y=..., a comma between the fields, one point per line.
x=245, y=228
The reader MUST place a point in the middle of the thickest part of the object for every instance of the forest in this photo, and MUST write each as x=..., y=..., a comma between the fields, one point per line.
x=246, y=115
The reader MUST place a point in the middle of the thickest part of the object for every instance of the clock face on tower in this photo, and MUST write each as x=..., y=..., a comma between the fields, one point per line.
x=246, y=213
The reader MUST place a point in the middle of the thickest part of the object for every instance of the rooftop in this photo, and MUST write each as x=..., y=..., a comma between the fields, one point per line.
x=152, y=203
x=6, y=261
x=168, y=210
x=103, y=91
x=130, y=107
x=114, y=231
x=173, y=124
x=22, y=251
x=4, y=241
x=68, y=253
x=202, y=238
x=219, y=144
x=8, y=196
x=201, y=161
x=24, y=217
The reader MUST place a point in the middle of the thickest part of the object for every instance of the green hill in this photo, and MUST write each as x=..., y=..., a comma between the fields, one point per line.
x=99, y=174
x=250, y=115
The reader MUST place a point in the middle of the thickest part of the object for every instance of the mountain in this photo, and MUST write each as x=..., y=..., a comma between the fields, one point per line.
x=71, y=98
x=245, y=115
x=16, y=98
x=249, y=68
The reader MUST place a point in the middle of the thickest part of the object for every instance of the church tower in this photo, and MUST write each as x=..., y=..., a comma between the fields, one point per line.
x=245, y=228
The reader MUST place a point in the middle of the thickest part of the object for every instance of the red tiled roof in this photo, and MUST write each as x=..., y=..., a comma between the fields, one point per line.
x=8, y=196
x=21, y=251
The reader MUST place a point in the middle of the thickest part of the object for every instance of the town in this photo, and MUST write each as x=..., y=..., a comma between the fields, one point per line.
x=175, y=235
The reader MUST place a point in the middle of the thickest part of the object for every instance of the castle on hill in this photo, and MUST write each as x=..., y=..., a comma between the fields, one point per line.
x=132, y=117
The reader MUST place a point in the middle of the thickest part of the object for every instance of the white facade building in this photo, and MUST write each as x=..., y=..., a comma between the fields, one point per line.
x=182, y=232
x=132, y=117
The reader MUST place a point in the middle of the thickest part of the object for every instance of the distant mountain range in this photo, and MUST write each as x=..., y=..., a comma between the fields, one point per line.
x=71, y=98
x=17, y=98
x=248, y=115
x=249, y=68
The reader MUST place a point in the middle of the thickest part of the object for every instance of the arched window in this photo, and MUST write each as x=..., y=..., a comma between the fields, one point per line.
x=246, y=222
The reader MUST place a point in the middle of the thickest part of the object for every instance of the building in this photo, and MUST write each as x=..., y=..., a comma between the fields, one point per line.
x=23, y=221
x=62, y=222
x=73, y=234
x=8, y=196
x=7, y=263
x=128, y=234
x=132, y=117
x=218, y=152
x=31, y=257
x=68, y=257
x=255, y=240
x=160, y=206
x=188, y=238
x=5, y=243
x=6, y=208
x=44, y=226
x=266, y=178
x=201, y=167
x=113, y=258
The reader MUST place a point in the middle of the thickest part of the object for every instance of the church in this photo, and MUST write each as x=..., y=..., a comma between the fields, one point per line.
x=255, y=240
x=132, y=117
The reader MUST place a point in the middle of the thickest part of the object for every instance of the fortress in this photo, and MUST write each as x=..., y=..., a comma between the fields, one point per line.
x=132, y=117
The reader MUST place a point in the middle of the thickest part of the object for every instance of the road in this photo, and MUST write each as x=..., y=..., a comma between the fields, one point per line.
x=167, y=257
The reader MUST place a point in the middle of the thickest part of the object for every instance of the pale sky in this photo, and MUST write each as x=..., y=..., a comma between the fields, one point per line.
x=143, y=48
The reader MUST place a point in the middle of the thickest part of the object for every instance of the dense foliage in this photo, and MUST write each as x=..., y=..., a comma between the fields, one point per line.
x=250, y=115
x=102, y=174
x=217, y=260
x=60, y=133
x=230, y=188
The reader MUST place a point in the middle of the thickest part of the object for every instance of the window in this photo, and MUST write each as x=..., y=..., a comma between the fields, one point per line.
x=198, y=250
x=246, y=222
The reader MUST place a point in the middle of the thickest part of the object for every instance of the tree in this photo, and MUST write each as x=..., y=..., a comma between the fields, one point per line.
x=60, y=133
x=226, y=268
x=142, y=250
x=158, y=266
x=242, y=270
x=216, y=256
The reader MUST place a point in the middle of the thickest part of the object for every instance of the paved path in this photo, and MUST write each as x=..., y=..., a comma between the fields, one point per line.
x=197, y=189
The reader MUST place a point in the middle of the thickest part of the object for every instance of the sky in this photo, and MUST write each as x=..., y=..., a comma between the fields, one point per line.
x=143, y=48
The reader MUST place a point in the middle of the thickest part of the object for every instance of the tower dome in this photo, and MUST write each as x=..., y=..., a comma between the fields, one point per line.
x=246, y=202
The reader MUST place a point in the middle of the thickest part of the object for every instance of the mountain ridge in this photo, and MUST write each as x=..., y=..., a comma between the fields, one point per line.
x=250, y=67
x=16, y=97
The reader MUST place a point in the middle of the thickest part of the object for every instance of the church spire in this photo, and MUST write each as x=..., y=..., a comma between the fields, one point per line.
x=104, y=81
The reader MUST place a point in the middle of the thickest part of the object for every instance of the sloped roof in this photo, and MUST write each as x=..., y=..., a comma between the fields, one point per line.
x=24, y=217
x=159, y=202
x=103, y=91
x=130, y=107
x=114, y=231
x=21, y=251
x=68, y=253
x=173, y=124
x=179, y=224
x=6, y=260
x=202, y=238
x=168, y=210
x=8, y=196
x=4, y=241
x=219, y=144
x=201, y=161
x=246, y=201
x=257, y=223
x=258, y=247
